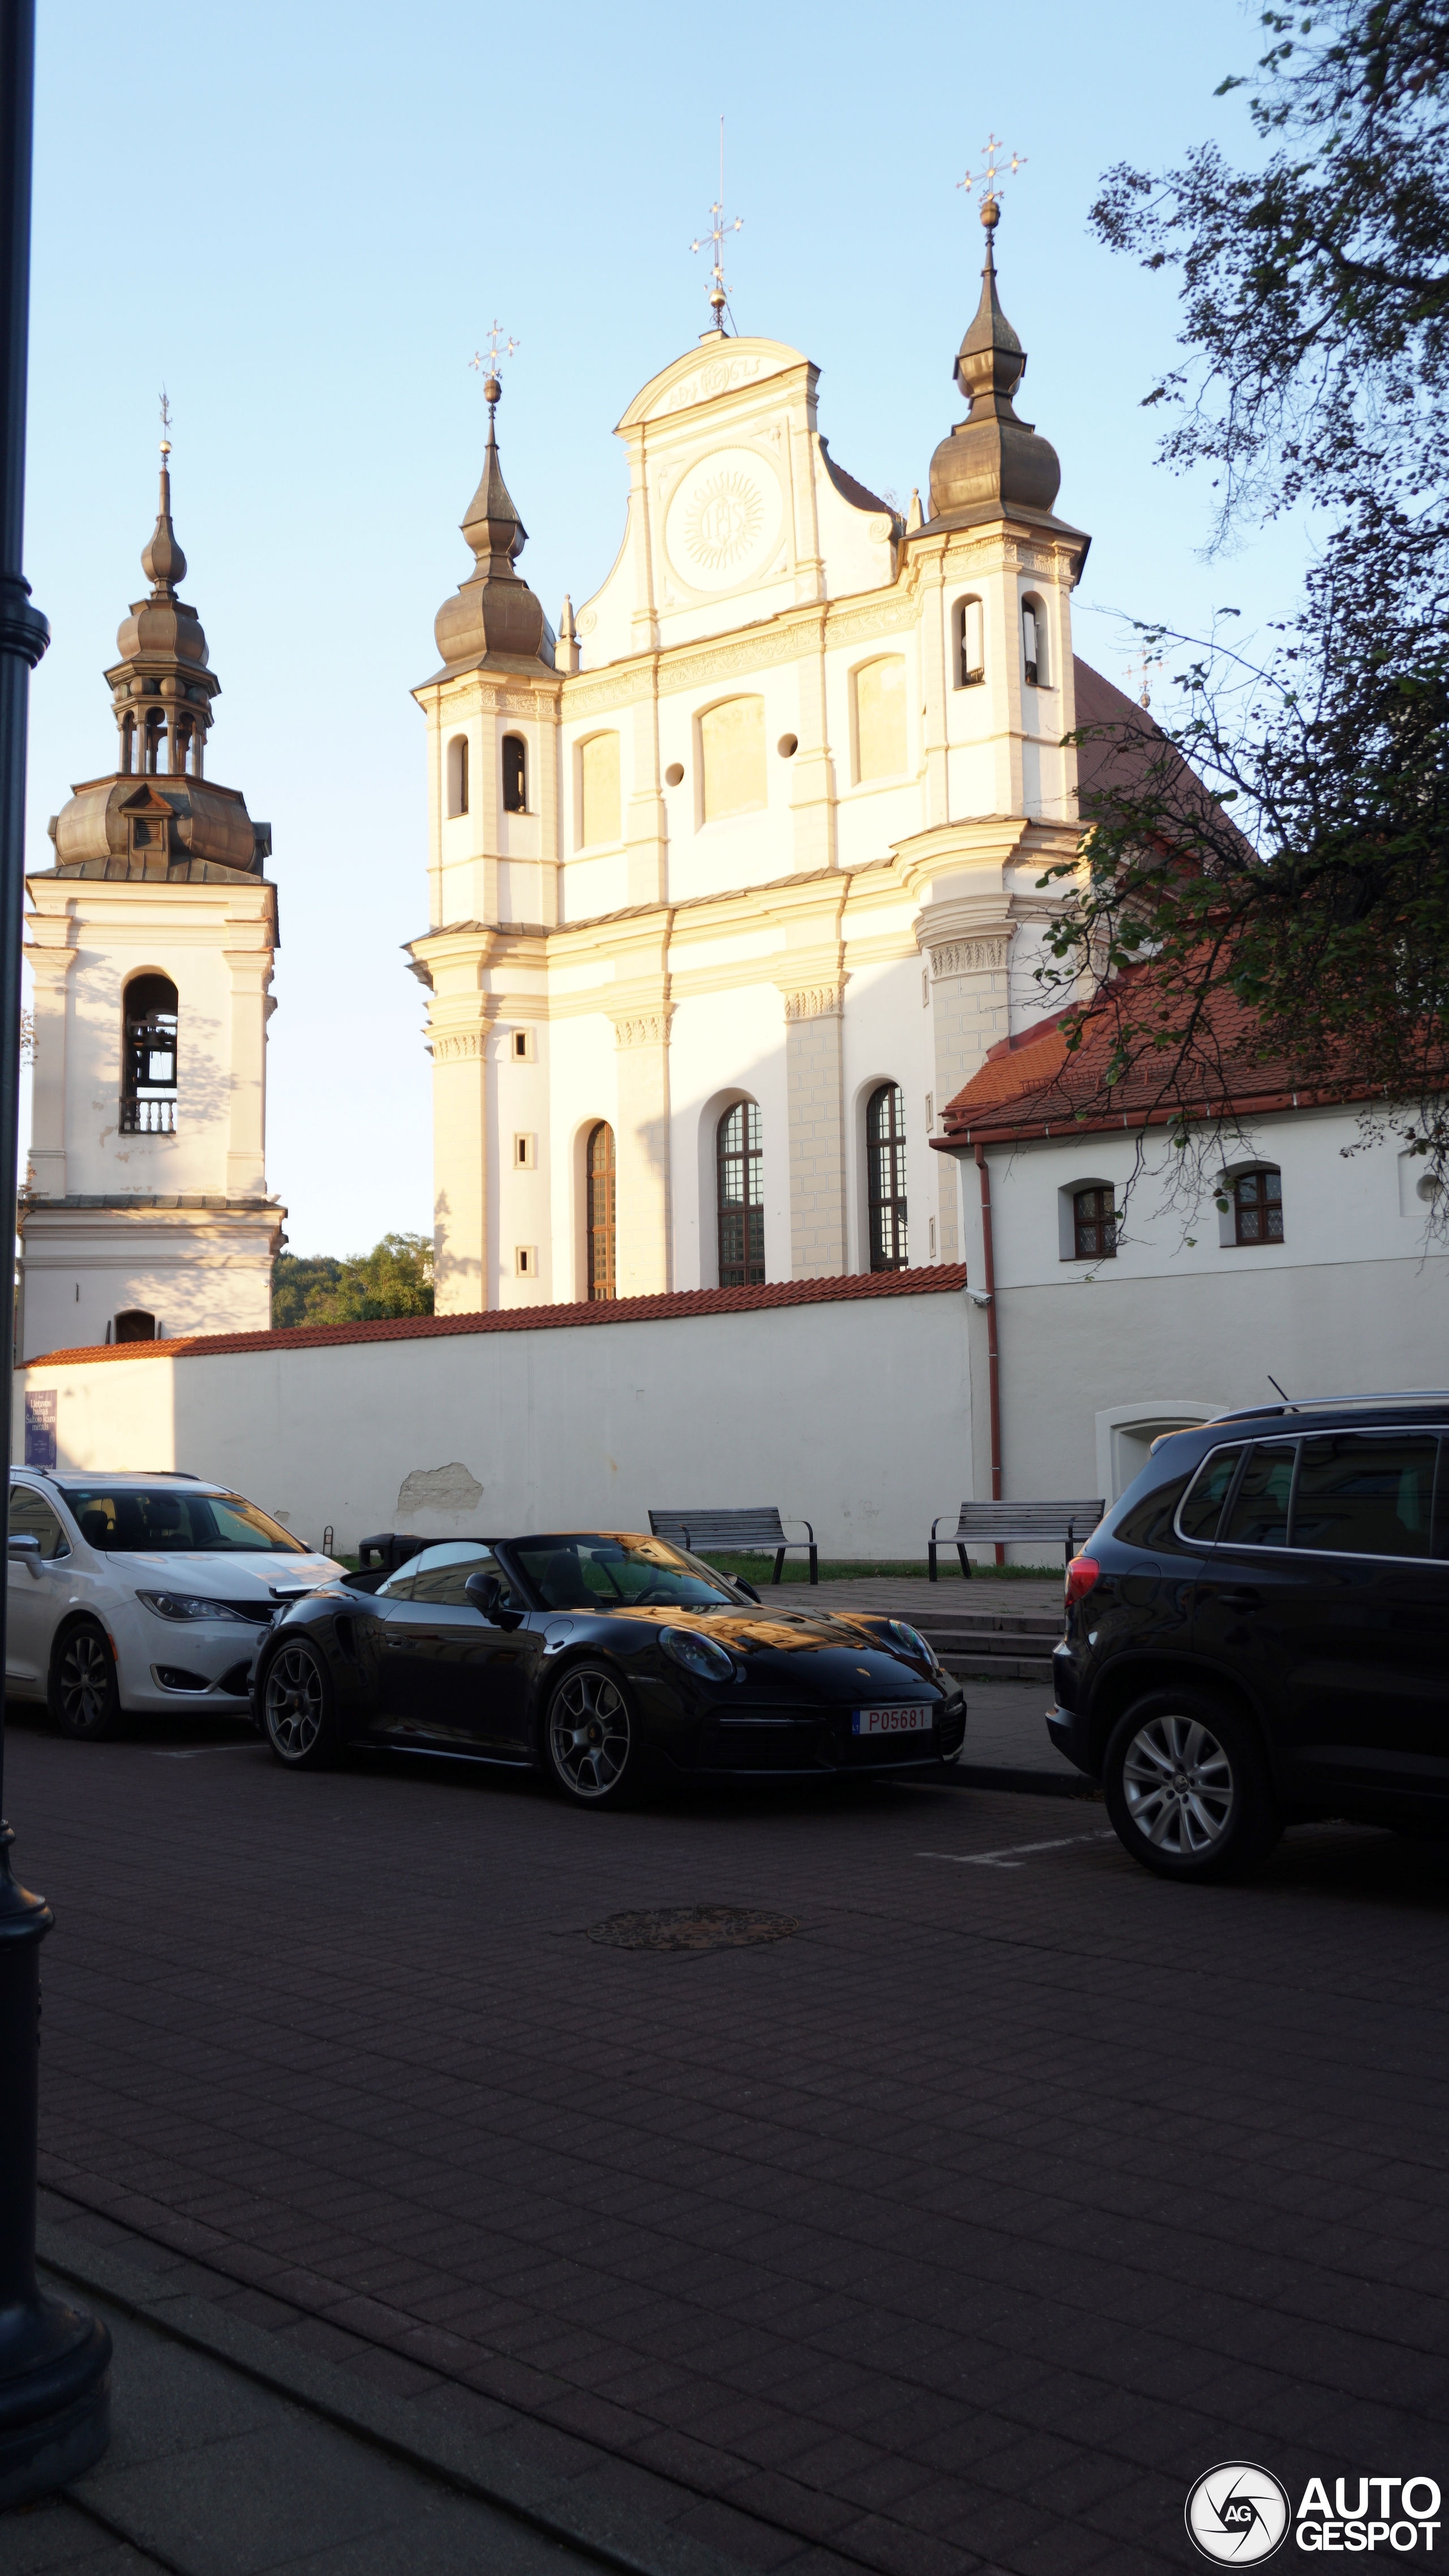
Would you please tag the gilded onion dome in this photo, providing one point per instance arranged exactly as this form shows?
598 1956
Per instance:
493 613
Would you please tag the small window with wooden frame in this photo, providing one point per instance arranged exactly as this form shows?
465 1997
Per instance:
1094 1223
1257 1205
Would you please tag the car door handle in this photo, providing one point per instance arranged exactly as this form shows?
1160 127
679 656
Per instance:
1243 1599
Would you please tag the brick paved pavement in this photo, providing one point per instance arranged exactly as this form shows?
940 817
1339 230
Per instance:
962 2230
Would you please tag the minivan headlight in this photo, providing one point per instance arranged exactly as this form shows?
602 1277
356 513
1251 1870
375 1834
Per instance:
703 1656
188 1605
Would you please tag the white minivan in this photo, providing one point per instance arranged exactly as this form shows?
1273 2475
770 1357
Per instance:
141 1592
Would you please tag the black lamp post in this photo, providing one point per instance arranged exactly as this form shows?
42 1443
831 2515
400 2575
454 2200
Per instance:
55 2361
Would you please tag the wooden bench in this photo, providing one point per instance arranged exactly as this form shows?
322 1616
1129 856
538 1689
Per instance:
737 1531
1015 1525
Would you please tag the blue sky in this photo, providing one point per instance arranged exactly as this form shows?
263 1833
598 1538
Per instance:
303 218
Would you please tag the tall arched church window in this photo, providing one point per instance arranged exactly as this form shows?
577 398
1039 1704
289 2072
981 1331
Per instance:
458 775
599 790
880 718
148 1059
515 774
600 1214
740 1182
973 643
732 758
1034 643
885 1147
1258 1207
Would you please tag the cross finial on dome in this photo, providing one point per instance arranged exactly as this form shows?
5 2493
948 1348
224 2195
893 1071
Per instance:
714 239
989 180
486 363
163 562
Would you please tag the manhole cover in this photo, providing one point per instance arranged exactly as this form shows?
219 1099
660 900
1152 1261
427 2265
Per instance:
693 1927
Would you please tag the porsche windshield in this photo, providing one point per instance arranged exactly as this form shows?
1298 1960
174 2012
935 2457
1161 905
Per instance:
613 1573
140 1519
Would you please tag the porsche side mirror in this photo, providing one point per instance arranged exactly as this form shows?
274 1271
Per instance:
742 1586
485 1592
26 1551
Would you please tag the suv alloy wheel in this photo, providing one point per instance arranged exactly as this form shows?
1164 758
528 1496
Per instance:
1187 1788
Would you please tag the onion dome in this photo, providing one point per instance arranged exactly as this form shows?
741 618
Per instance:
156 814
992 461
493 613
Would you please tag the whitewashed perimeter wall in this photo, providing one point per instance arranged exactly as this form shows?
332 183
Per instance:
855 1413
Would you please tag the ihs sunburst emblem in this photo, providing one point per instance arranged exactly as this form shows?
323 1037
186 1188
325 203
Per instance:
723 521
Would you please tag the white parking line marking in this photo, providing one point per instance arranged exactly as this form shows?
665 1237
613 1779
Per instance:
1015 1853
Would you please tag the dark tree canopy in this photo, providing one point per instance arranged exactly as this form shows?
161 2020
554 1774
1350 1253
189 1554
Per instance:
1311 883
395 1278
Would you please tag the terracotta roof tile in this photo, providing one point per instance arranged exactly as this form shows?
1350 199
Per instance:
679 1306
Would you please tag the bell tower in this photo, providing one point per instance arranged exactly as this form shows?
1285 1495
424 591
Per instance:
151 943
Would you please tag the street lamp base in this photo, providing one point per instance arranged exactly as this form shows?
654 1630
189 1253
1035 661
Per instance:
55 2397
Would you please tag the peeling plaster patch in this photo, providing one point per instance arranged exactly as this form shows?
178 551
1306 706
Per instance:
448 1489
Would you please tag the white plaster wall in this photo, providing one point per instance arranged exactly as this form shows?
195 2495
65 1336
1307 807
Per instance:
586 1425
724 1047
1350 1302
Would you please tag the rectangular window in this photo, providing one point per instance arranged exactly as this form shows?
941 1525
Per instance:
1258 1207
599 790
732 758
525 1260
880 718
1094 1225
525 1153
1259 1513
973 644
1366 1494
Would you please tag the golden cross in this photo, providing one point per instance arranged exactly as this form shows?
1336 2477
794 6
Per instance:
165 424
991 174
488 361
715 236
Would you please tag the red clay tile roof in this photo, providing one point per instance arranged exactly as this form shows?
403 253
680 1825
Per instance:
681 1304
1031 1085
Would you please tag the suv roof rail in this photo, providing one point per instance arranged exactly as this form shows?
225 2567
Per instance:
1331 1403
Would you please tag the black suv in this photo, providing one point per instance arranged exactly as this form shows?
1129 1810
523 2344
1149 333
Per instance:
1258 1632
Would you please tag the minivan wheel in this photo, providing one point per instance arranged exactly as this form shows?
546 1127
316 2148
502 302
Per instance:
297 1708
84 1700
1187 1788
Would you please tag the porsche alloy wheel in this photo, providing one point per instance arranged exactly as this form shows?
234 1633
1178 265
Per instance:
83 1690
295 1708
588 1736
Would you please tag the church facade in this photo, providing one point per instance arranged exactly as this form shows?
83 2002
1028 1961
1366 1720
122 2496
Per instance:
145 1212
733 883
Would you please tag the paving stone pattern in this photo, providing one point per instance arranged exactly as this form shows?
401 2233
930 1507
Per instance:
960 2230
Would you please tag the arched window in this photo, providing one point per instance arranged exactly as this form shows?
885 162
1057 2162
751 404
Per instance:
740 1169
135 1326
1258 1206
732 758
972 639
599 790
880 718
515 774
1034 643
1094 1223
885 1151
154 736
148 1061
458 775
599 1162
128 744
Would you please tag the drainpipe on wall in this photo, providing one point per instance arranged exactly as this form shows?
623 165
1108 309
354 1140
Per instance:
993 1356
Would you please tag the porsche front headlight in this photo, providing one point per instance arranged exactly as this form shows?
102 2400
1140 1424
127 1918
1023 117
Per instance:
703 1656
913 1642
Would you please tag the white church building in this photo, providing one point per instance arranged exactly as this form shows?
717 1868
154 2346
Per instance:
732 883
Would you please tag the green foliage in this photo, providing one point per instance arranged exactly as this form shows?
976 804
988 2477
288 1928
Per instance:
1310 886
395 1278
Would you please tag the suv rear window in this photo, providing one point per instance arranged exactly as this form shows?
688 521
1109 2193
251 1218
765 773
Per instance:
1366 1494
1202 1509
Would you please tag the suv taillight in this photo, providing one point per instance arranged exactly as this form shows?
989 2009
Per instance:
1082 1573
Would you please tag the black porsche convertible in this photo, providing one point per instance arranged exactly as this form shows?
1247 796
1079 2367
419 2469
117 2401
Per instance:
593 1656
